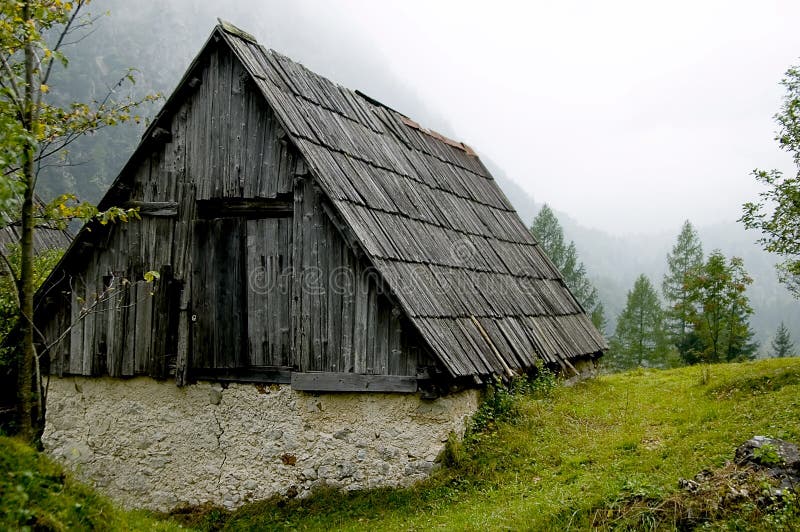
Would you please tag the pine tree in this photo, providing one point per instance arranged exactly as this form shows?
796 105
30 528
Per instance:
782 345
686 256
718 310
639 339
548 232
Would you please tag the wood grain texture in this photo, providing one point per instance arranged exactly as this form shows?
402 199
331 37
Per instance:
352 382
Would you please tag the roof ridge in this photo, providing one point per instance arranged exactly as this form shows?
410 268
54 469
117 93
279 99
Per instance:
227 27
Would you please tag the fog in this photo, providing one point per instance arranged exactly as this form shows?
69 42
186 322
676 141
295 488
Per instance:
628 116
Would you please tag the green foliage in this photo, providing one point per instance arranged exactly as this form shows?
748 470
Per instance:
718 309
501 400
36 494
32 115
42 266
65 208
548 232
767 455
686 257
604 454
639 339
777 212
782 345
37 128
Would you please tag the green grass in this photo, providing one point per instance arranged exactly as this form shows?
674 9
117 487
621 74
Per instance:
36 494
606 453
574 460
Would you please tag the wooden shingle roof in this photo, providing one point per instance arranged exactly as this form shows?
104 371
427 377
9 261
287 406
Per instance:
432 221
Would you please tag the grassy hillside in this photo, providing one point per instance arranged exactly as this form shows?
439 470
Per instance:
606 453
36 494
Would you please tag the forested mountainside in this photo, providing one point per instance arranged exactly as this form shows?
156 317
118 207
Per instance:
160 39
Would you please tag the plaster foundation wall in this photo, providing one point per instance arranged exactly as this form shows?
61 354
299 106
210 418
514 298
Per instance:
150 444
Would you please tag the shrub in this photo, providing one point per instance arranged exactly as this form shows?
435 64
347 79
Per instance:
501 399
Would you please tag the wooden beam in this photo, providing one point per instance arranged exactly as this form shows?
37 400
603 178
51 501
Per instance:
324 381
257 374
168 209
244 208
343 229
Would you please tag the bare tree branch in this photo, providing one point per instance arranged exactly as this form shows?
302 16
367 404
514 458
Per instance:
78 5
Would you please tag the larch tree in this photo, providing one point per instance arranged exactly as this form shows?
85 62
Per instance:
34 129
718 310
685 257
777 212
548 232
782 345
639 339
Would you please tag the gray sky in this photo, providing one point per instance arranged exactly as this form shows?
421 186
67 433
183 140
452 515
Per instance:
629 116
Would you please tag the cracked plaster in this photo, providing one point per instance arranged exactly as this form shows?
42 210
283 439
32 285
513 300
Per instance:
151 444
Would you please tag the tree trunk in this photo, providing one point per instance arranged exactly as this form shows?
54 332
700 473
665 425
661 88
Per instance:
25 391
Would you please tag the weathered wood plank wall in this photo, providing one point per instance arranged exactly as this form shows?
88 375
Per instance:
344 317
237 289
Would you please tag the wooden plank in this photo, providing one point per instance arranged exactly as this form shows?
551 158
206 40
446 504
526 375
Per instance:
269 292
182 355
259 278
251 208
203 293
76 332
129 338
348 287
114 330
143 306
336 286
314 283
397 363
89 346
227 308
256 374
163 342
352 382
154 208
361 296
296 263
238 126
382 333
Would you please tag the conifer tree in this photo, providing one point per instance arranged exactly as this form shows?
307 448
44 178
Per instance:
718 310
548 232
639 339
686 256
782 345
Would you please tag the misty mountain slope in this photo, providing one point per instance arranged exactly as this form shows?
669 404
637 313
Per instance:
160 39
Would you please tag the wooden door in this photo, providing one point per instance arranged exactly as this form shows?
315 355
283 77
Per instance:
269 289
219 320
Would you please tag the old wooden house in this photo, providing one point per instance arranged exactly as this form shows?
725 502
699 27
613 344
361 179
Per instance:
306 235
302 228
